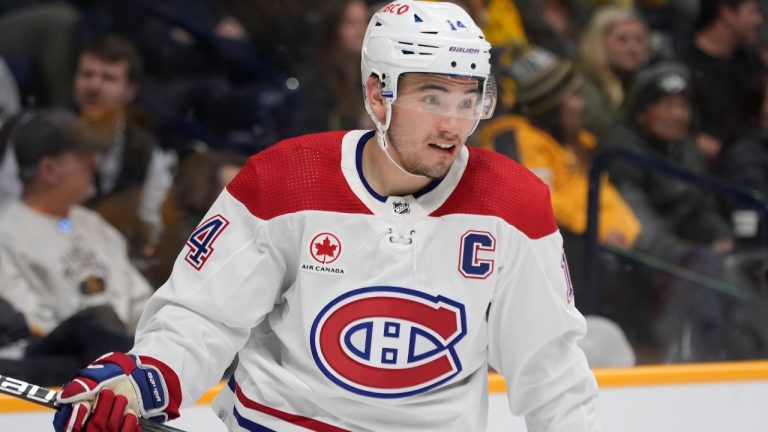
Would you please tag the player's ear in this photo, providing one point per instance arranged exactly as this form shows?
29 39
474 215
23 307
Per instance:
375 99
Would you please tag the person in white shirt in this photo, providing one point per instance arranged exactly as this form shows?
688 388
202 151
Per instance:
133 171
58 258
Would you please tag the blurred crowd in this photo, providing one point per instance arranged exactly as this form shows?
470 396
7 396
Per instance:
120 122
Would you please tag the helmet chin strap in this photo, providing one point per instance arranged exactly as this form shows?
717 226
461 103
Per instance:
381 138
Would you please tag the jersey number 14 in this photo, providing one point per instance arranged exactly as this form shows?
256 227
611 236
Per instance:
200 243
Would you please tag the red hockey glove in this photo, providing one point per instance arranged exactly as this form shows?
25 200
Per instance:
113 391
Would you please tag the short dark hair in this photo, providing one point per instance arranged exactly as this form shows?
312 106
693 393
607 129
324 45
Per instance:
710 9
49 133
114 49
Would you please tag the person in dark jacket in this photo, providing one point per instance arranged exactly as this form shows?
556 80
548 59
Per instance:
726 71
675 215
681 222
746 163
134 173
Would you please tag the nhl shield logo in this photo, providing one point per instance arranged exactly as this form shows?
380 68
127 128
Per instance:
401 208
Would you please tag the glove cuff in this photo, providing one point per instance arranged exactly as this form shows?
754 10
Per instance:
156 385
170 383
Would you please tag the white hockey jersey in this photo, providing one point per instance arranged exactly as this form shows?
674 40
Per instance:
51 268
350 311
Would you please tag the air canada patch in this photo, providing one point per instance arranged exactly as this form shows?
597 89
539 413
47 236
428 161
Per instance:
388 342
325 250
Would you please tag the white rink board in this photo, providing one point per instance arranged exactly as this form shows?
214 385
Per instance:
711 407
715 407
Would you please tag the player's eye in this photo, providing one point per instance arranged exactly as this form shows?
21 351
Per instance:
431 100
468 103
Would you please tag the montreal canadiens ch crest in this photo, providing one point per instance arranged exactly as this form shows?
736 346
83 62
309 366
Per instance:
388 342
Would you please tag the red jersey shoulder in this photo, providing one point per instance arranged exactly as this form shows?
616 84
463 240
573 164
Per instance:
495 185
297 174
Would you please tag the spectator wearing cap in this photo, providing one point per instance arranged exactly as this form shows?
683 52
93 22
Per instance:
658 123
541 128
133 173
57 258
726 73
681 221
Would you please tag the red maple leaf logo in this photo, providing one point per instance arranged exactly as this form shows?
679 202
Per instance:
326 248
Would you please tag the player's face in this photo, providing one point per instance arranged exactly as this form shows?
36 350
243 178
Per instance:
668 118
431 119
102 85
626 46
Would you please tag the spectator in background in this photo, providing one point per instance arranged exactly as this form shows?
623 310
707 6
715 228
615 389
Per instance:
133 172
681 222
330 87
613 48
544 132
727 74
201 178
62 267
674 214
746 163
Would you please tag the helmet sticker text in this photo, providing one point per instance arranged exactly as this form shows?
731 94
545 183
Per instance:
395 8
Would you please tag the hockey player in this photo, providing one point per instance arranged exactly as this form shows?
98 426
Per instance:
366 279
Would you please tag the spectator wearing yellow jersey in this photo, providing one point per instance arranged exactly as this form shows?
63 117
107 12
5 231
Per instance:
543 131
541 127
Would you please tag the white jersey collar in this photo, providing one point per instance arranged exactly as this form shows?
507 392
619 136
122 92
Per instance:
396 208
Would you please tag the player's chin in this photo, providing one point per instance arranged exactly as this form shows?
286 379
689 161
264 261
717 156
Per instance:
437 170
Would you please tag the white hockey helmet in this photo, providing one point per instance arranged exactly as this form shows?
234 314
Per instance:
426 37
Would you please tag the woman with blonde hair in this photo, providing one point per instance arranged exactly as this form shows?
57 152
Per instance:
613 48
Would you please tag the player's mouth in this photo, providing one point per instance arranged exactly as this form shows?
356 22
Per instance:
443 148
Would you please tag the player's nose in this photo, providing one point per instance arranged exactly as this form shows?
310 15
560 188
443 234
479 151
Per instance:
448 123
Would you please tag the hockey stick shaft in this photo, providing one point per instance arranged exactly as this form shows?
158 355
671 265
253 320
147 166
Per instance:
47 398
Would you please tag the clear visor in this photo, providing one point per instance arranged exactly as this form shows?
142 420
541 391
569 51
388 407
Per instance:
447 95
